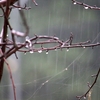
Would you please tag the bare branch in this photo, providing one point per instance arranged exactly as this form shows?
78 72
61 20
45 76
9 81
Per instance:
12 81
35 2
86 6
20 8
90 87
30 43
11 46
4 35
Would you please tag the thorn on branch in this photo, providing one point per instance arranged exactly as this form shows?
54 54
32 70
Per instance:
71 38
16 55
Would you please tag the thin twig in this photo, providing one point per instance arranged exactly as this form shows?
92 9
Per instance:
86 6
84 95
12 81
24 21
20 8
42 40
4 36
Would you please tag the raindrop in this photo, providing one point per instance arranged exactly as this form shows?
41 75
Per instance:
47 81
56 49
74 3
66 68
19 9
27 46
27 39
84 47
13 31
97 42
86 7
67 50
40 51
25 53
42 83
31 51
84 97
7 35
47 52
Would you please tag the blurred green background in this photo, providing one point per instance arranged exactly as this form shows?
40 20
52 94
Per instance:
44 76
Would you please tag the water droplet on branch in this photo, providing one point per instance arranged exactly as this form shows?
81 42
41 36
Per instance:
55 49
31 51
40 51
47 81
27 46
19 9
27 39
74 3
84 47
25 53
86 7
84 97
47 52
67 50
66 68
97 42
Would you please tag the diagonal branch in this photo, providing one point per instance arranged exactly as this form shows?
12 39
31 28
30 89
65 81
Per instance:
86 6
90 87
12 81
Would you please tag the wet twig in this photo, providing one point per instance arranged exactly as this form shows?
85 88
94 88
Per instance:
11 77
4 35
20 8
29 45
90 86
86 6
24 20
